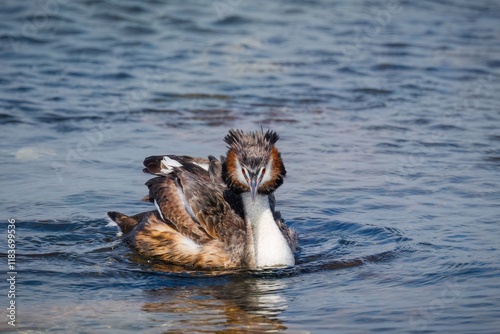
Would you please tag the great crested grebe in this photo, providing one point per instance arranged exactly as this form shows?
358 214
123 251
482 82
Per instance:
215 214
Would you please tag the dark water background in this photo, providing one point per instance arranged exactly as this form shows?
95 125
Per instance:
389 116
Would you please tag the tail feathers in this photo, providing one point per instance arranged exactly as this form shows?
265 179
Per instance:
147 198
126 223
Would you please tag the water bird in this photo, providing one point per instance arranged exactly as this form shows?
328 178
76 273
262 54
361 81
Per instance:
215 213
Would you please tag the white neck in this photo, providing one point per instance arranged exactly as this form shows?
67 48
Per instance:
271 248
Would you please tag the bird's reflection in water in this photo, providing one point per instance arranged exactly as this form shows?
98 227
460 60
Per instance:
231 301
230 305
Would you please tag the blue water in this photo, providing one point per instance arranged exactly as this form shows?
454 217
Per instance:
389 116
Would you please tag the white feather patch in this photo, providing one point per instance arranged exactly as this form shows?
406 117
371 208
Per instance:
168 165
159 211
204 166
190 245
239 173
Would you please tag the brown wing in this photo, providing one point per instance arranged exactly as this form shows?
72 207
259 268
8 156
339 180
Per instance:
220 211
165 164
196 205
164 192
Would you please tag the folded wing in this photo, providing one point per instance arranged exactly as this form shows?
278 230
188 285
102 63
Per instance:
194 200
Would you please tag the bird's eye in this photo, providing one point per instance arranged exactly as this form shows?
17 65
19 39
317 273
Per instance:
263 171
243 171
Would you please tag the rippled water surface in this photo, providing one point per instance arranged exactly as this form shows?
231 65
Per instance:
389 116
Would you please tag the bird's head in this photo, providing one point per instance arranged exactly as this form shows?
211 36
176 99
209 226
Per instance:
253 164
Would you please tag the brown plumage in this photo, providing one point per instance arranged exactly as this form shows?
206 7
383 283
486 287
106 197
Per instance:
201 218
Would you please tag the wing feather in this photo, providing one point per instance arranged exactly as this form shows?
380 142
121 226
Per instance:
165 194
194 201
163 165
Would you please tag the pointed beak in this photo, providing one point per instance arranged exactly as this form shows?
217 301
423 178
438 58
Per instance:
253 187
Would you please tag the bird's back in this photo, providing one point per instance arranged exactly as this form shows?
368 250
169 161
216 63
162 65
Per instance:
198 222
